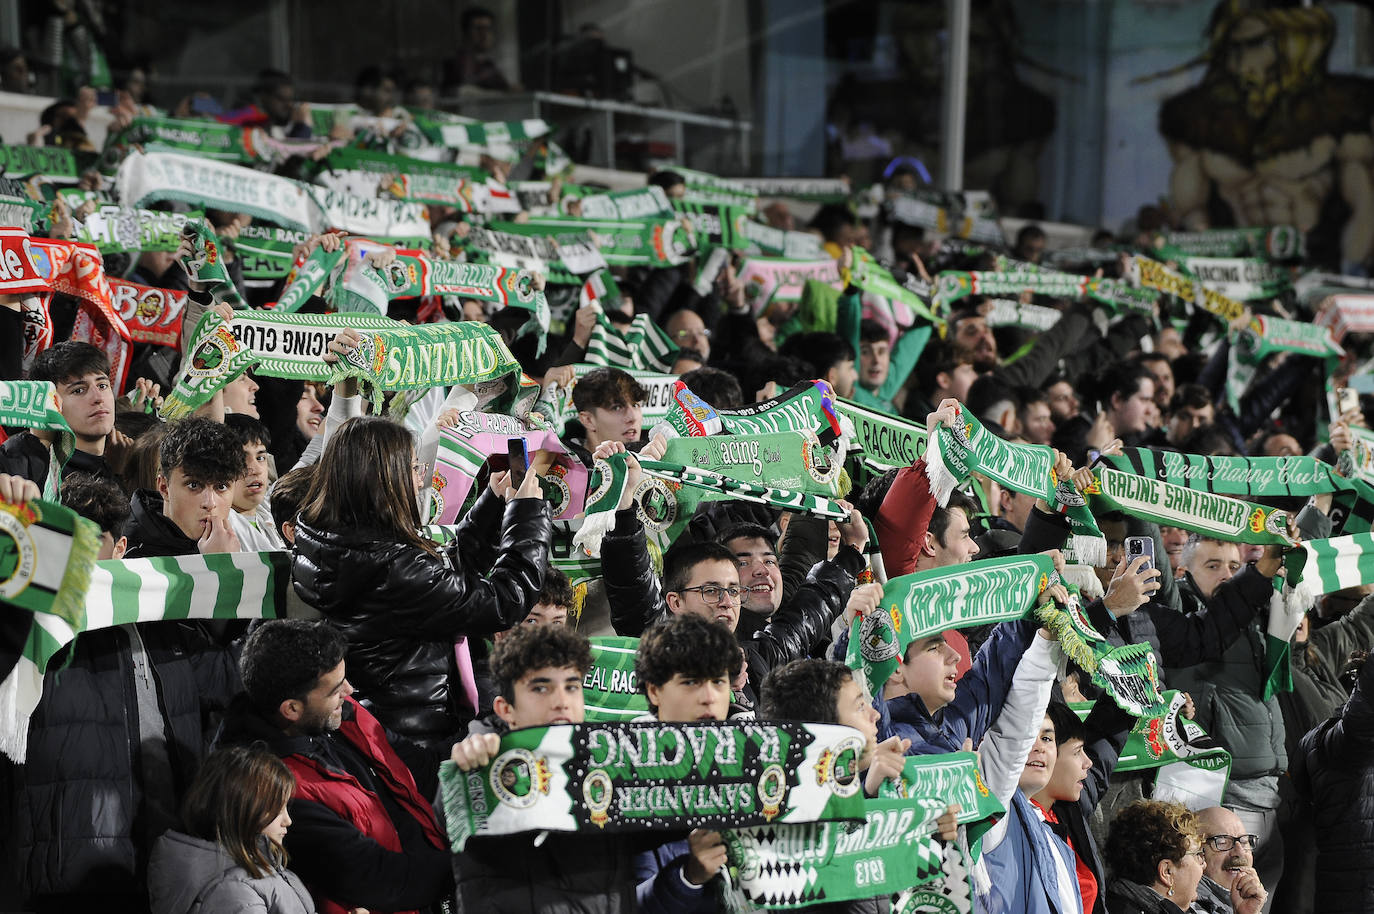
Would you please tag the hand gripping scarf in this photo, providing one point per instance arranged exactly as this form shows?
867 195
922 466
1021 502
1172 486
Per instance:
1027 468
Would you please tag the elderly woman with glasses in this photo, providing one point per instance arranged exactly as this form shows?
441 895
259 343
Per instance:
1154 852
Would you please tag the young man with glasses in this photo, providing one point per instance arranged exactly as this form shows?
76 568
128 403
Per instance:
1229 873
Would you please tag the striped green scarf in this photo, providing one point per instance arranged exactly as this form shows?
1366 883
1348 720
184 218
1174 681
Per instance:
33 405
1279 242
1267 335
113 228
309 277
655 242
1027 468
643 345
1129 673
239 585
205 264
294 345
406 178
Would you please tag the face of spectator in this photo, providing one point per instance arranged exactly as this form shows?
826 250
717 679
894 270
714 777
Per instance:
779 216
1188 419
1282 446
1169 344
621 423
322 709
548 695
957 547
759 574
1032 249
688 698
1212 565
279 104
481 34
309 412
958 382
1131 416
191 504
930 669
974 335
853 709
1071 767
1037 425
1175 538
276 829
717 574
875 359
842 376
687 329
15 76
1187 875
1063 400
87 403
1220 823
241 396
252 488
540 614
1164 382
1040 763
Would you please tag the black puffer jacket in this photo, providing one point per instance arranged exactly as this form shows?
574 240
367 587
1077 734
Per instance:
150 532
74 808
637 601
401 607
1335 770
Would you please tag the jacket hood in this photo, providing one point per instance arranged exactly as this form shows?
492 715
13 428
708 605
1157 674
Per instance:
181 867
152 533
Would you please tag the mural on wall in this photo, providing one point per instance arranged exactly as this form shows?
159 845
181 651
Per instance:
1270 137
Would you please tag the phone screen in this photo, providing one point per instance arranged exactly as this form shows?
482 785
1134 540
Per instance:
519 461
1346 400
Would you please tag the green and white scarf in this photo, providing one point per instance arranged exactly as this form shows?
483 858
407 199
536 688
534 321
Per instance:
1222 517
205 264
1192 767
732 227
953 285
1129 673
211 140
1257 477
213 359
873 278
237 585
434 355
1266 335
819 190
1008 313
703 187
1241 278
627 777
34 405
610 690
808 407
926 603
309 277
266 251
562 259
113 229
402 177
662 242
1279 242
1316 567
628 205
294 345
882 441
643 345
1027 468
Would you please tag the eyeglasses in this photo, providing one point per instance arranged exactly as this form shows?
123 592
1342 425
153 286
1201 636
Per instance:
688 334
1226 842
713 593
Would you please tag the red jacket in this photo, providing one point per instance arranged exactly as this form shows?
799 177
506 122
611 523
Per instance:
341 793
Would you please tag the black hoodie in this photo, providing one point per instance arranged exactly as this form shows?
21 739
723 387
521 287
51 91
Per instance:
150 532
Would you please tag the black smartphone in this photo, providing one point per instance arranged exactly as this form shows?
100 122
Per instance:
1138 546
519 457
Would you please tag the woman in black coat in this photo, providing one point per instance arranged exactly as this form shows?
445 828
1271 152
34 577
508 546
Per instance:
401 601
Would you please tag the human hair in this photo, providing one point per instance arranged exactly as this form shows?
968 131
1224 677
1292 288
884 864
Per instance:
67 361
939 357
1029 233
806 689
1190 396
688 644
249 430
831 218
556 590
819 349
534 647
1210 440
1195 540
939 521
786 370
1026 397
989 396
607 388
1146 832
1154 358
1067 725
98 500
749 531
364 479
290 493
870 331
666 180
472 14
237 793
134 422
1120 378
719 388
284 659
141 467
680 560
202 449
